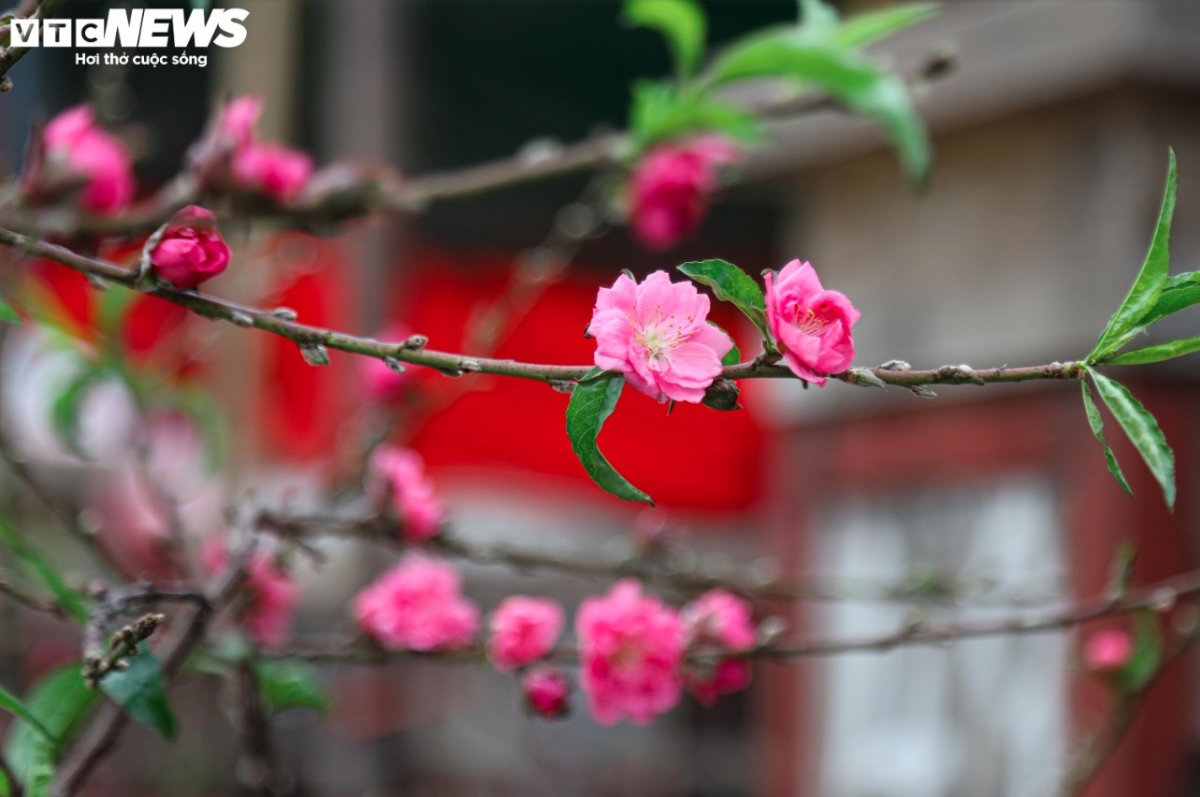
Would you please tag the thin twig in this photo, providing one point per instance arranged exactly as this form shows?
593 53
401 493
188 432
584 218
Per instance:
259 764
28 601
9 56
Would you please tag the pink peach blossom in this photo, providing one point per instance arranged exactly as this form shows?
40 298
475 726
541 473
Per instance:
655 333
272 596
812 325
417 605
547 691
277 171
85 151
1108 651
191 249
239 119
396 476
523 630
670 187
722 621
380 382
631 649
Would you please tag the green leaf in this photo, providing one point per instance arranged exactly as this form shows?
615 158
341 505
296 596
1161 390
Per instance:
13 705
1097 424
842 73
1146 658
730 284
5 785
290 684
61 701
817 15
64 596
139 690
1154 354
862 29
591 404
1148 287
682 24
1142 430
7 314
1179 293
660 113
64 413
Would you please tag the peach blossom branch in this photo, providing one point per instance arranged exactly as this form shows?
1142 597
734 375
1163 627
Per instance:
315 341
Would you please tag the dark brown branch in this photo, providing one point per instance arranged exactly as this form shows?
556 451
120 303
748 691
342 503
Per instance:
259 764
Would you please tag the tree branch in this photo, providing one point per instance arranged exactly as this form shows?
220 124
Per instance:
9 56
314 341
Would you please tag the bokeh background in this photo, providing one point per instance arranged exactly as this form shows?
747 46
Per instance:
1051 137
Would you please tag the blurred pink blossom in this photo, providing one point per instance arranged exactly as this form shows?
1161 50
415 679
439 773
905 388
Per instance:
655 333
397 475
76 145
272 169
380 382
811 324
271 596
417 605
523 630
722 621
239 118
547 691
191 249
1107 651
631 649
670 188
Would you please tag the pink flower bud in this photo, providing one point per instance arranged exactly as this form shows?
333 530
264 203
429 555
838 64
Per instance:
718 621
79 151
417 605
812 325
1108 651
656 334
381 383
523 630
191 249
670 187
271 169
396 479
630 651
547 691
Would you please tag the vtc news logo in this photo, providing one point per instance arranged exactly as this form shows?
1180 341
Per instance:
139 27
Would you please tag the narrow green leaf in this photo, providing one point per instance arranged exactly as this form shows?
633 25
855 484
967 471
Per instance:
730 284
64 413
7 314
1154 354
290 684
1179 293
591 404
1146 658
682 24
845 75
61 701
5 785
139 690
1097 424
863 29
13 705
1143 296
1143 431
40 569
659 112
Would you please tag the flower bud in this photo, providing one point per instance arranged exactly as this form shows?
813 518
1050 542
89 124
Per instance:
547 692
1108 651
191 249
